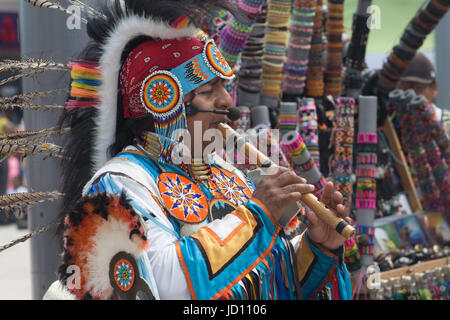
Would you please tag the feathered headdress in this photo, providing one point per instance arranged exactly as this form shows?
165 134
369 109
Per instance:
118 75
153 77
152 80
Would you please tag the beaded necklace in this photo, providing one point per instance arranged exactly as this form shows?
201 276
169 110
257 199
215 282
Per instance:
197 170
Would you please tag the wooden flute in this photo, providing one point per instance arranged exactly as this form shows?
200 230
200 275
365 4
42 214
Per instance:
340 225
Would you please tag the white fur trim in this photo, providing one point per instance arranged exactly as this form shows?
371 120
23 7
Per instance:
111 237
57 291
127 29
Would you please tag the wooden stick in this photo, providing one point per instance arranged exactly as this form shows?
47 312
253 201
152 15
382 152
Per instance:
324 213
402 168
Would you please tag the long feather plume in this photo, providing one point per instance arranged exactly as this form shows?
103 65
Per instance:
28 106
88 9
30 140
52 4
26 148
29 67
24 199
48 4
20 75
41 133
27 97
18 202
32 63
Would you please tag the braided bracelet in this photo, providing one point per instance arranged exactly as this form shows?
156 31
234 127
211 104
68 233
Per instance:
367 137
365 203
368 158
369 172
307 165
367 230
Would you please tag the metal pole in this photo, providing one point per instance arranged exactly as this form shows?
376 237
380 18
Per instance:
362 7
357 50
367 124
45 34
442 52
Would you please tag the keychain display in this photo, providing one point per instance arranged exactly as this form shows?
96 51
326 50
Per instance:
397 258
427 152
425 286
343 138
308 127
428 285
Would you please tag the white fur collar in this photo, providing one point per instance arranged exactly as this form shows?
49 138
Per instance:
127 29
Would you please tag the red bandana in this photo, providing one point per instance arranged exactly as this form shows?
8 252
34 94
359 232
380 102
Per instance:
147 58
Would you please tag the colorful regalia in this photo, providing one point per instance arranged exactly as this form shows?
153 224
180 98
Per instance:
238 250
141 222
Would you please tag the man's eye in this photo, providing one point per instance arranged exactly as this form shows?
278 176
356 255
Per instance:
206 91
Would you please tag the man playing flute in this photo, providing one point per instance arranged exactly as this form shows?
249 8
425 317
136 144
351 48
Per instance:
211 233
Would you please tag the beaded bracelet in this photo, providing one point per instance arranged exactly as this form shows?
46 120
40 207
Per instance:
366 172
366 194
307 165
367 137
252 7
367 230
367 249
366 158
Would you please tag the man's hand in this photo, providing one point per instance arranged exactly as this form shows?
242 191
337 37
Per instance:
278 190
319 231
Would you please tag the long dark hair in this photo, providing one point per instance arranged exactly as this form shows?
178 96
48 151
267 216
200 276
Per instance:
78 143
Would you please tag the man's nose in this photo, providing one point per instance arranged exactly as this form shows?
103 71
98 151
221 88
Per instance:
224 100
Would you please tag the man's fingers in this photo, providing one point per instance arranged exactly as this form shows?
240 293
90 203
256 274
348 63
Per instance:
298 187
275 173
292 197
336 198
349 220
342 211
287 178
327 193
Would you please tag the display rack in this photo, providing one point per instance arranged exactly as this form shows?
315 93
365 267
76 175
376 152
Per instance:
419 267
402 168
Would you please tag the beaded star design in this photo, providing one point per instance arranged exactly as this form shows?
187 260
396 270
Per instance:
186 204
124 274
160 93
231 187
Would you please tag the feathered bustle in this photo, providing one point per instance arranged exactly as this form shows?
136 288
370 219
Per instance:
95 230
